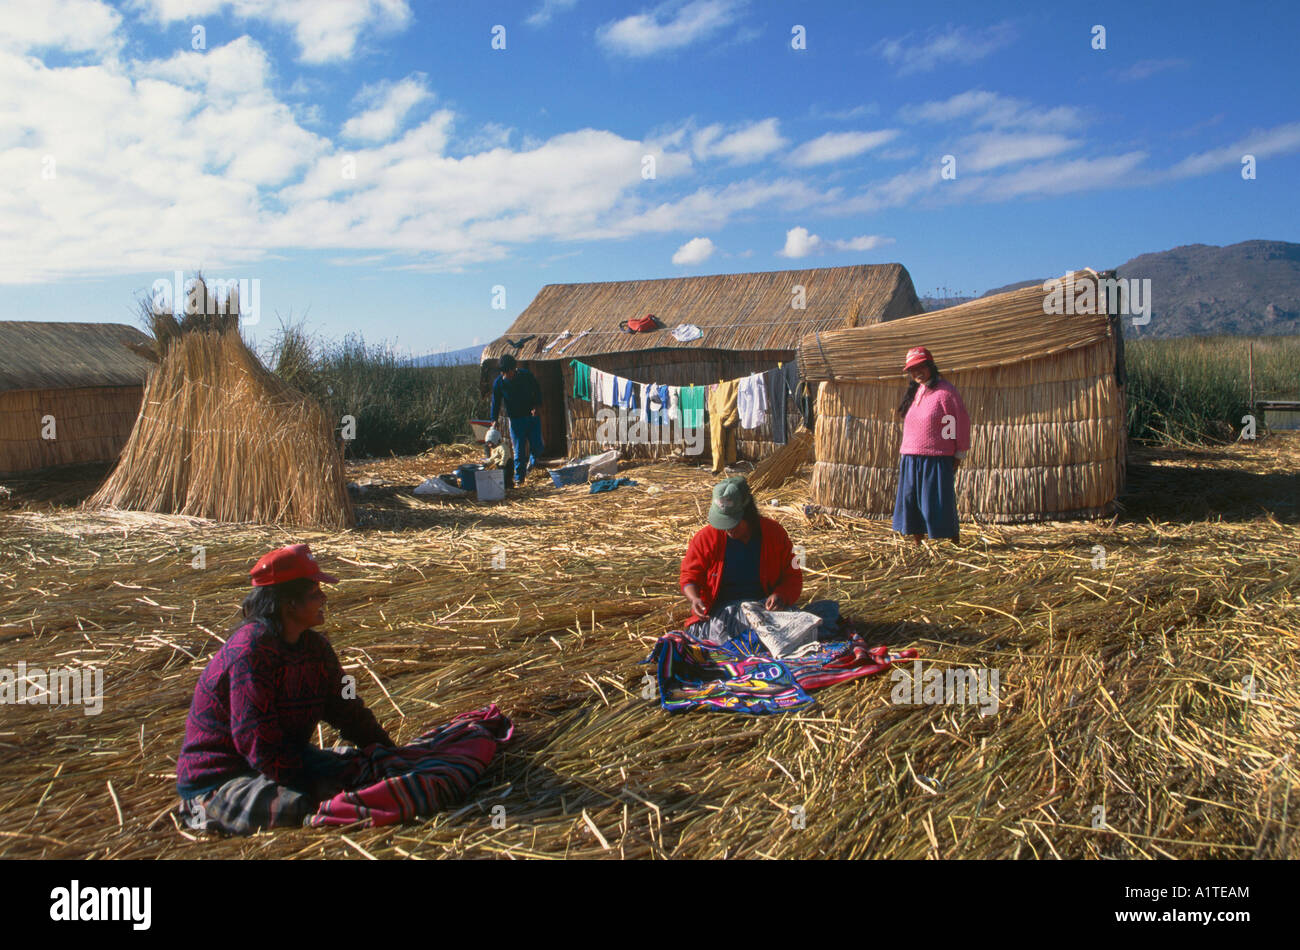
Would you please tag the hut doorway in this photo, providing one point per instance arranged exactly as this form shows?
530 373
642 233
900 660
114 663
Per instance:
550 377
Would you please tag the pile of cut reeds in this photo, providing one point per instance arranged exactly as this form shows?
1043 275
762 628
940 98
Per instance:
221 437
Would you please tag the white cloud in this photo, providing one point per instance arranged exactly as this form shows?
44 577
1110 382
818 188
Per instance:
68 25
543 14
1149 67
645 34
799 243
988 150
1261 143
391 102
695 251
956 44
747 144
866 242
710 209
1059 178
989 109
324 30
837 146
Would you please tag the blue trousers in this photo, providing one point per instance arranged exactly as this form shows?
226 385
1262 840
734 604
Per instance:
526 439
927 499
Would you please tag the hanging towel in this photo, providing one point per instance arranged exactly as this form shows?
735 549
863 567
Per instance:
692 406
627 394
581 380
774 383
751 401
675 404
685 332
607 381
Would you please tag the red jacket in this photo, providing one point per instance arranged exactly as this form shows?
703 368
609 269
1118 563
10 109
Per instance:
702 565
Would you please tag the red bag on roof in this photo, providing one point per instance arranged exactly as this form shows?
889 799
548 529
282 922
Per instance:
640 324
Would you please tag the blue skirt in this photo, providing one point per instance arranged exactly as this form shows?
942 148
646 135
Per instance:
927 500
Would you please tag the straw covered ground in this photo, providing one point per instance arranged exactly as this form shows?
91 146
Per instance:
1148 705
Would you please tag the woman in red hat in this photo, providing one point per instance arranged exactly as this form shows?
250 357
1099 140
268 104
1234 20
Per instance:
248 761
936 437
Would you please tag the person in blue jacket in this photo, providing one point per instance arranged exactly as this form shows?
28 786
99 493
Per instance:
518 390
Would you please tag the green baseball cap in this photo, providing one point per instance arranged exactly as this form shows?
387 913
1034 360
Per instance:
730 496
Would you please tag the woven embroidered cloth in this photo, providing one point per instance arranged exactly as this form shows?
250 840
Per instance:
434 772
741 676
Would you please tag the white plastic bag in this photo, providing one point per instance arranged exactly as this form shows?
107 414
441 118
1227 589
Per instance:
436 486
604 465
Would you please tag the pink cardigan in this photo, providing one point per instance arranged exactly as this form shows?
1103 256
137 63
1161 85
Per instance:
923 424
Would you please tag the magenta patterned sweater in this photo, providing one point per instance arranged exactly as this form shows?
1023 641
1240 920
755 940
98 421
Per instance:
256 705
923 425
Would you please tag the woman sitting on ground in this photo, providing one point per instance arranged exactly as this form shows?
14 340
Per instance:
738 556
248 762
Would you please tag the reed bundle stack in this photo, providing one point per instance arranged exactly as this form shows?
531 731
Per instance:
219 436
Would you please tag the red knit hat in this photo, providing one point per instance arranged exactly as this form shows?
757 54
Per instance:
289 564
917 355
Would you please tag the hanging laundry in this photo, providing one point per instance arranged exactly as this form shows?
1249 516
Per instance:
722 424
607 382
685 332
627 394
675 405
581 380
522 340
691 401
564 335
751 401
781 383
574 340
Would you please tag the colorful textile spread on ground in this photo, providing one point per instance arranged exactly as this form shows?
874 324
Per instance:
741 676
432 773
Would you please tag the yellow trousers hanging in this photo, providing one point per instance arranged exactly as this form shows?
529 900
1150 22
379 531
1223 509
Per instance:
723 420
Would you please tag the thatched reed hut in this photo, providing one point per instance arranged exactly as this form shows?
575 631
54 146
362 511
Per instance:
750 323
69 392
1045 392
219 436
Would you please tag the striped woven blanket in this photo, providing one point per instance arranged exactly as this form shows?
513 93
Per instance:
741 676
436 771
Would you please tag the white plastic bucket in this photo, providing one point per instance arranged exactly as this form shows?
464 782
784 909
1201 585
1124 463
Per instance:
490 484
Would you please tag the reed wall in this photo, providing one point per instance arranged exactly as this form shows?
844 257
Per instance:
1048 440
91 424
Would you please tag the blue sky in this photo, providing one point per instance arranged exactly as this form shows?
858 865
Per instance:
380 168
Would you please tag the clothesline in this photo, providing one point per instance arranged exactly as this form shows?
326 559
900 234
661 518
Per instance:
681 386
709 326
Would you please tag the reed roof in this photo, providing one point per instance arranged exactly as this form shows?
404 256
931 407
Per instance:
44 355
991 331
735 311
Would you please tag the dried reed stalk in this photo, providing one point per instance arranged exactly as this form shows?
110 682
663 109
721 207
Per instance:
1123 686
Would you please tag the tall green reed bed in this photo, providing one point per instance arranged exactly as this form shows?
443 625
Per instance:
398 409
1196 389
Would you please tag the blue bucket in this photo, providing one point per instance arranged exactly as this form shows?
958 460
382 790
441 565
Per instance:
466 475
